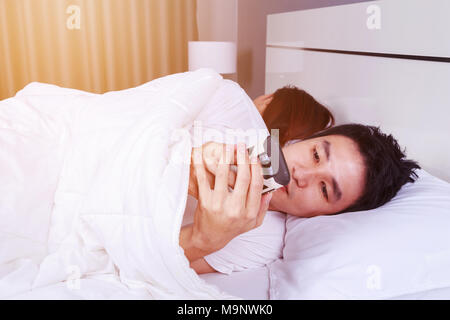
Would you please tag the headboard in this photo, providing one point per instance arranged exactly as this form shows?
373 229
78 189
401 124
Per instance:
384 63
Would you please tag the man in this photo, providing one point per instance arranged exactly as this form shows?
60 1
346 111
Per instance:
345 168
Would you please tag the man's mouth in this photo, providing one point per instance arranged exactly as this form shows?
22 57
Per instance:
286 189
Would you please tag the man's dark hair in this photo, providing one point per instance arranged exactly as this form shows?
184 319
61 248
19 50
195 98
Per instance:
387 170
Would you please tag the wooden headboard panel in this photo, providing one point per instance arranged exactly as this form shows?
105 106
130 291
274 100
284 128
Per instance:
384 63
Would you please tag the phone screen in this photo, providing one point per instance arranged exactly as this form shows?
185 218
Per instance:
275 169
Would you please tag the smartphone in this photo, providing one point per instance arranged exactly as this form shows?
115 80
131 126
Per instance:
275 170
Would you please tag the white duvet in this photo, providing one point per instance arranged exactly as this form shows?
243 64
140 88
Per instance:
93 187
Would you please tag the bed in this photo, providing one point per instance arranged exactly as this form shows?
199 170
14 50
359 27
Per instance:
364 72
370 63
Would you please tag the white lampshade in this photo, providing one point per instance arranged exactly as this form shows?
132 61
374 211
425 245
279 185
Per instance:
220 56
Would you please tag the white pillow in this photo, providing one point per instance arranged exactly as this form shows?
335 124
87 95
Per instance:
398 249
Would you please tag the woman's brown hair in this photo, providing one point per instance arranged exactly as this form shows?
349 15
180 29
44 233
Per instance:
296 114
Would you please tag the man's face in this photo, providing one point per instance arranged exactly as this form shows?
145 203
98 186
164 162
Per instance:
327 176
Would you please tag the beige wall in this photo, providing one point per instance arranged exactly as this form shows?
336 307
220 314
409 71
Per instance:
244 21
217 20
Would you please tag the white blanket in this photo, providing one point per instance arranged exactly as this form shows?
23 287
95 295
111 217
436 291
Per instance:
94 186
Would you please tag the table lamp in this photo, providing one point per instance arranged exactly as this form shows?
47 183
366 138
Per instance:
218 55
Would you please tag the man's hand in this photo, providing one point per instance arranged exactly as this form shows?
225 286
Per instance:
221 214
212 153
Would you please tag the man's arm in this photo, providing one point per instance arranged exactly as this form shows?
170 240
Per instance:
222 215
194 247
201 266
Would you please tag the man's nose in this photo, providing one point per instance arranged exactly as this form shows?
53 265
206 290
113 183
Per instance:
303 177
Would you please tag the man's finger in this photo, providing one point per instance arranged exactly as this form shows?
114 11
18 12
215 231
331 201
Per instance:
256 187
265 201
243 173
211 156
222 170
231 178
200 172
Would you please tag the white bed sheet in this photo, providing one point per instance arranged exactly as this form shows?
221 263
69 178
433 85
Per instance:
96 288
249 285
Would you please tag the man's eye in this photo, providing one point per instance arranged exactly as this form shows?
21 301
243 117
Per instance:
316 155
324 190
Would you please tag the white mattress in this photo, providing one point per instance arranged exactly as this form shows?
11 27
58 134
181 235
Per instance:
250 285
98 288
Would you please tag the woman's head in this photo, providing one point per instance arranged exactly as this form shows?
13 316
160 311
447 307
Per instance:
296 114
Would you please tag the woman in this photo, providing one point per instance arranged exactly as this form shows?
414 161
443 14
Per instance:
294 112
